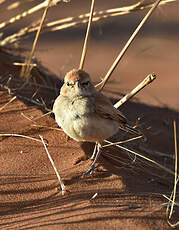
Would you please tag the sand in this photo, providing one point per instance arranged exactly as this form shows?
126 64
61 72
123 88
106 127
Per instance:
125 191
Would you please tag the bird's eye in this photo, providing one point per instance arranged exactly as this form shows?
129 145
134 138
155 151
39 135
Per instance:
68 84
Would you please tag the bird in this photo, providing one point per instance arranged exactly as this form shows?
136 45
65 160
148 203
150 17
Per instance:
85 114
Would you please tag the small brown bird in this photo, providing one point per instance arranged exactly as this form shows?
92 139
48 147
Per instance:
86 114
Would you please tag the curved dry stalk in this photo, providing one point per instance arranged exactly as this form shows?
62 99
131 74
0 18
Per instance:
176 174
83 55
129 42
168 205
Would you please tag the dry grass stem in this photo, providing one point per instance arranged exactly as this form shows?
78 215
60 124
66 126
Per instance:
20 16
71 21
150 78
129 42
172 200
37 118
26 117
11 100
29 66
28 12
18 135
169 199
54 167
24 64
94 196
145 158
122 142
84 51
176 170
173 225
14 5
46 114
2 1
47 127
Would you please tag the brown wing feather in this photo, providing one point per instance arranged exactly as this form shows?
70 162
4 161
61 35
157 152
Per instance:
105 109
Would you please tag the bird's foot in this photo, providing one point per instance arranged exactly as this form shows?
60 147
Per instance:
89 171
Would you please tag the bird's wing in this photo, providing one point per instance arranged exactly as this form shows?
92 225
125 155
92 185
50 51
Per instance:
104 108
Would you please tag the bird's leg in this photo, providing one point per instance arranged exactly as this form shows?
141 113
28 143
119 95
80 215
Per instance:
92 167
94 152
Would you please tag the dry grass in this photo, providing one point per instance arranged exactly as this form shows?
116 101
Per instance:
172 198
28 67
74 21
54 167
128 43
69 22
10 101
149 79
156 164
85 46
19 135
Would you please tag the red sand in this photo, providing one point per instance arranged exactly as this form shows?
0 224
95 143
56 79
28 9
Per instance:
128 192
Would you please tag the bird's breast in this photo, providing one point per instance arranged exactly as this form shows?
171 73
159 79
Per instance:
79 121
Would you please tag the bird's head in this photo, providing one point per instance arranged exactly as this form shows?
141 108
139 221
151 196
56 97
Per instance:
77 83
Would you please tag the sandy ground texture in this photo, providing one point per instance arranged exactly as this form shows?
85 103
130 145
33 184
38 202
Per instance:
126 191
